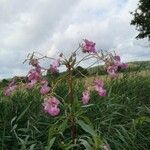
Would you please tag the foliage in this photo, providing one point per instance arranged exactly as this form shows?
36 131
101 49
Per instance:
72 103
122 118
142 19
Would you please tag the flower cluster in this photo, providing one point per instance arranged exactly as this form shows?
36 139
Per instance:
35 77
99 87
51 106
35 74
88 46
44 88
85 97
54 66
114 65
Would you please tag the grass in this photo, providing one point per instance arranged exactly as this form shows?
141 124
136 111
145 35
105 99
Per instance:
122 118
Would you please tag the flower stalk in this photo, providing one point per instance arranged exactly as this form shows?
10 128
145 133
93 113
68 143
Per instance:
71 101
52 105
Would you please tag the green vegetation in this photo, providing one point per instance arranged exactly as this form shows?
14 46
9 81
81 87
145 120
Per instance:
141 19
122 118
133 66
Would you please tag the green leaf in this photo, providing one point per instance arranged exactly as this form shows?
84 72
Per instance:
86 127
85 106
86 144
13 119
21 115
50 144
32 147
70 146
14 127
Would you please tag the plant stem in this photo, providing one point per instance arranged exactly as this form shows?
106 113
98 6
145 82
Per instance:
71 98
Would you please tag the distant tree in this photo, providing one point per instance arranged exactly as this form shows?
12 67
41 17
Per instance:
142 19
4 83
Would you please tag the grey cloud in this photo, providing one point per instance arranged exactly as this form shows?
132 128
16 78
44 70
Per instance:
25 26
111 30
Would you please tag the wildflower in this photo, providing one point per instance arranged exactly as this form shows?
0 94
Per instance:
85 97
34 75
102 92
99 87
112 71
117 58
51 106
44 89
117 62
54 111
31 84
54 66
44 82
88 46
115 66
54 101
98 83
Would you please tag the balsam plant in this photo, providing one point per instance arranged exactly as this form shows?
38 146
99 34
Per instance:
69 113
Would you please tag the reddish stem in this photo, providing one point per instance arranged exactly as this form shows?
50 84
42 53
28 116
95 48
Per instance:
71 97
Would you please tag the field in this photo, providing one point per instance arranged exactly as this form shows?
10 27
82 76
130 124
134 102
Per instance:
122 118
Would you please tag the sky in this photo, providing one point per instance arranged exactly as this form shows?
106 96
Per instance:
54 26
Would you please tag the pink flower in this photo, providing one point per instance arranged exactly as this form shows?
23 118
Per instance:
117 62
112 71
85 97
88 46
34 75
53 111
44 89
54 101
117 58
99 84
51 106
102 92
115 66
31 84
54 66
44 82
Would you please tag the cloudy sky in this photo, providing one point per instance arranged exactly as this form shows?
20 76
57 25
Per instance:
51 26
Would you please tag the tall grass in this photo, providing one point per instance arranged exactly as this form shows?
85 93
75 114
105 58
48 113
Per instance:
122 118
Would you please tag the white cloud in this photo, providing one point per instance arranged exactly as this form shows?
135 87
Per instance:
52 26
